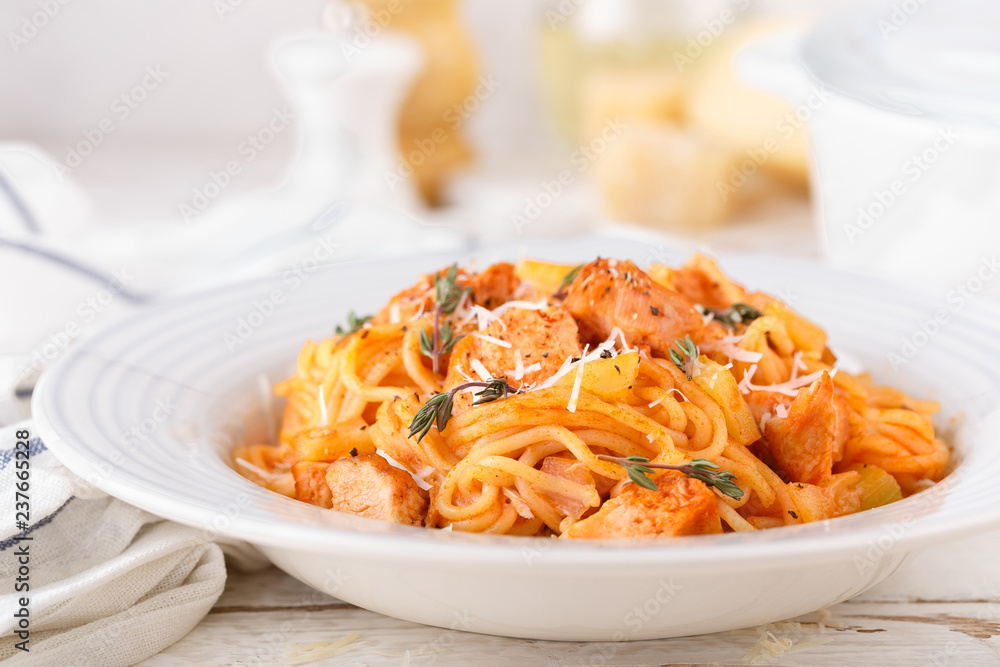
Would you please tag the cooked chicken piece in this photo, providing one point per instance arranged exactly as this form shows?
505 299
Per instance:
680 506
368 486
546 337
807 443
766 403
574 471
707 339
609 293
839 495
310 483
412 301
702 281
492 287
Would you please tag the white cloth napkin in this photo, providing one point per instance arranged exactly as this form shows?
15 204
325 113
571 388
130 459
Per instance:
109 583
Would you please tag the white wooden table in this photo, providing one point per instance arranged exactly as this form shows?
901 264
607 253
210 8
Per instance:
942 608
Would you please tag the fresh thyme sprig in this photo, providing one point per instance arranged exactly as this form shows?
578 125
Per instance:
685 355
638 467
446 341
437 409
568 279
354 323
447 296
447 292
738 313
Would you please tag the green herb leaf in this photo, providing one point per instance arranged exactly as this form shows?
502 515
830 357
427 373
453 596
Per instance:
354 323
569 278
738 313
640 478
447 292
447 296
437 409
495 389
426 346
639 467
724 480
448 338
685 355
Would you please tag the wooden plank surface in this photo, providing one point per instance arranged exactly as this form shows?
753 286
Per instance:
941 609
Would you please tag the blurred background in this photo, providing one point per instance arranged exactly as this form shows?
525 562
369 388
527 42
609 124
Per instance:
151 148
518 87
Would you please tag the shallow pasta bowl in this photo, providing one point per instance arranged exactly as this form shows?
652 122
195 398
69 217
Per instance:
149 409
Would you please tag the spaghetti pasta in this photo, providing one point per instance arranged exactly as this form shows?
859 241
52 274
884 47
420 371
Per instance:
554 414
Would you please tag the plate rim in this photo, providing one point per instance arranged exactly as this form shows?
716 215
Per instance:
423 544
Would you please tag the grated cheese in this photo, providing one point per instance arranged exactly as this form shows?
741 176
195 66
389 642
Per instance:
461 371
739 354
789 388
464 306
656 402
484 317
780 411
577 381
523 305
520 506
744 385
394 313
396 464
518 365
563 370
533 368
711 383
769 645
491 339
302 654
679 392
797 362
608 345
323 416
764 419
419 313
619 334
480 370
257 470
729 346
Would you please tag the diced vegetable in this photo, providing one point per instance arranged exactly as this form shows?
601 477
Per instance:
329 443
611 379
545 277
722 388
662 274
877 486
768 330
837 496
803 333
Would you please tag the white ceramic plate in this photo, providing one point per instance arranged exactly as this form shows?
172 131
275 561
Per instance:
149 409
